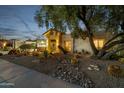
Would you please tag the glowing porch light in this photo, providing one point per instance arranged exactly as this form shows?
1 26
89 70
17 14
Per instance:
4 44
42 42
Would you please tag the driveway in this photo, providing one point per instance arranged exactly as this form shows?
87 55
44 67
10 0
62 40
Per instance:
16 76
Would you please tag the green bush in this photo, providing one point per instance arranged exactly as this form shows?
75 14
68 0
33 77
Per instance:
27 46
1 54
45 54
5 49
114 57
14 52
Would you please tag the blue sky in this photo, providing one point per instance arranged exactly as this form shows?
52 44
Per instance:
17 22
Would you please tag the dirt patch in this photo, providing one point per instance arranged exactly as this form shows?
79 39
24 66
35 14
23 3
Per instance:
32 62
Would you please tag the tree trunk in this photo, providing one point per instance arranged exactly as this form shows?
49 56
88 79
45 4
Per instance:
90 36
95 51
82 16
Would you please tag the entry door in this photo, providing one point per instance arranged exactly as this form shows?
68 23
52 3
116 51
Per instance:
53 45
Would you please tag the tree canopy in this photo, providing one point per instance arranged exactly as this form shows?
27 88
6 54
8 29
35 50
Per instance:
83 21
99 18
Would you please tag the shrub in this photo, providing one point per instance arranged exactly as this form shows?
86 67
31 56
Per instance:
83 50
74 60
25 53
1 54
5 49
77 55
14 52
46 54
62 49
27 46
87 52
114 57
35 53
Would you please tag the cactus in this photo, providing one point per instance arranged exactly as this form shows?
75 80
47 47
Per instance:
114 70
74 60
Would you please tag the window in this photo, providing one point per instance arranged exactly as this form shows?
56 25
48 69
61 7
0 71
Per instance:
99 43
67 45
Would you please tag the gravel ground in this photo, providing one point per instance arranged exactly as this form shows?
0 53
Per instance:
101 79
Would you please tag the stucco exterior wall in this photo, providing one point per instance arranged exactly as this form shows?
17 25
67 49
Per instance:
77 44
80 44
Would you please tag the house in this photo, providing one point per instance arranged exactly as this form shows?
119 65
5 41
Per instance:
3 43
16 43
39 43
56 38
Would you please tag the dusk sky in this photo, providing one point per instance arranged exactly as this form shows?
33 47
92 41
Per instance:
17 22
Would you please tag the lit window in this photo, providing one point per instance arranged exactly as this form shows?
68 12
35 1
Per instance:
68 45
96 43
99 43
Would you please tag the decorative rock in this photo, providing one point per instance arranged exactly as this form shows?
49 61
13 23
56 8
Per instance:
94 67
89 68
97 69
71 74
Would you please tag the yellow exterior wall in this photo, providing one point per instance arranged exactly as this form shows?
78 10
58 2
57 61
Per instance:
57 37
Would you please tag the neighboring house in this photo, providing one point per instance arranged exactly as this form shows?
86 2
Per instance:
4 43
56 38
30 42
16 43
39 43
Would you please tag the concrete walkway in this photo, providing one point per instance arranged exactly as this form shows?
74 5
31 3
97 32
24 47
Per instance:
12 75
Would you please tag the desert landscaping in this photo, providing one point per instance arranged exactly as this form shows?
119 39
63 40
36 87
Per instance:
76 69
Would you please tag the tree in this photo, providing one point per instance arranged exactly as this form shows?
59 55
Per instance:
83 21
27 46
115 24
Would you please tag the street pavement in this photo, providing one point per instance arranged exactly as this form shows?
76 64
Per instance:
16 76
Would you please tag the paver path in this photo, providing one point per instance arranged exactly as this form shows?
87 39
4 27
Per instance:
12 75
